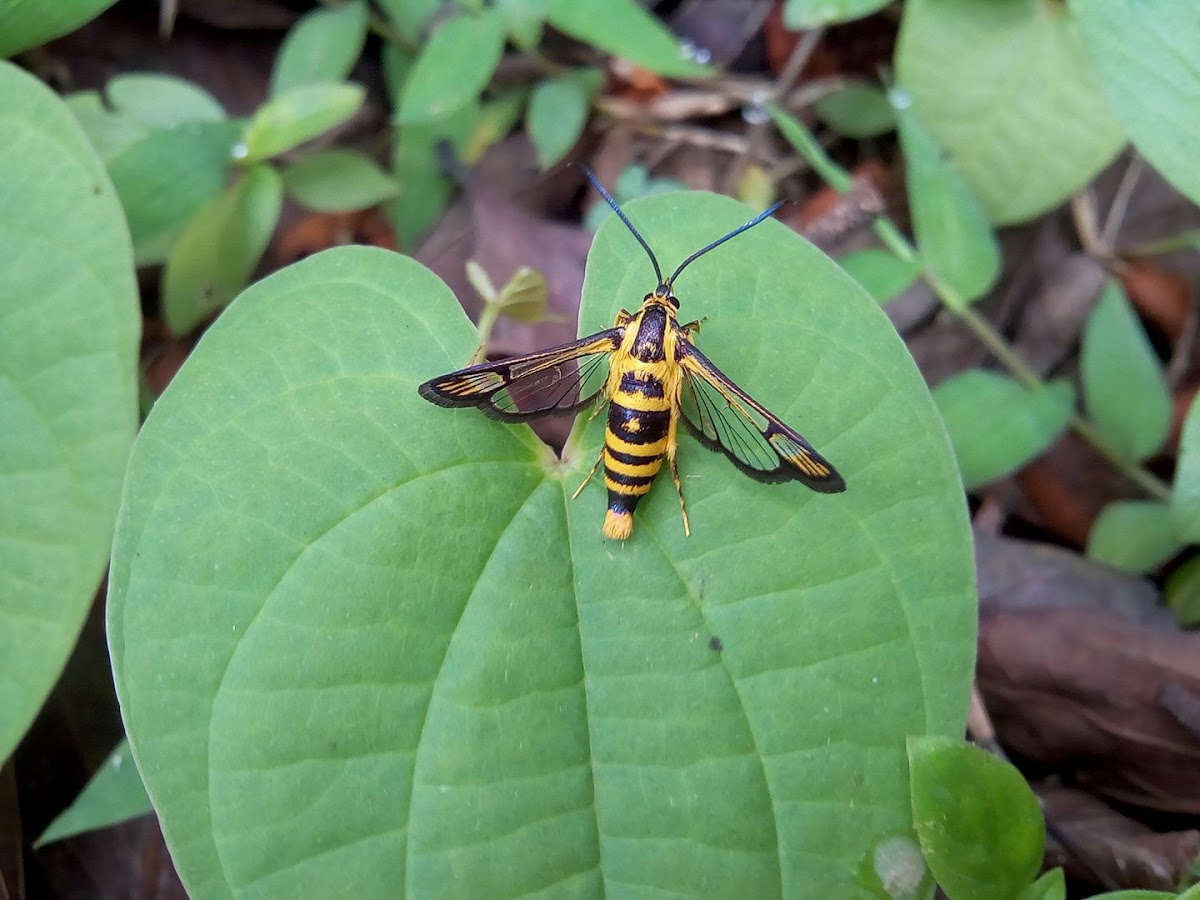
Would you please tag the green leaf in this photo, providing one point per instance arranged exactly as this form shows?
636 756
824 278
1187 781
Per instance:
1133 536
165 179
358 637
997 425
1123 383
801 14
1051 886
27 25
410 18
215 257
1185 494
396 64
953 235
493 122
558 110
68 386
625 29
1182 593
980 825
885 275
1141 895
337 181
857 111
525 296
453 68
114 794
162 101
523 21
108 132
993 83
425 188
321 48
290 119
1145 55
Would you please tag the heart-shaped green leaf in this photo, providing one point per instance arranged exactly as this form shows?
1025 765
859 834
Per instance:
1007 89
68 386
358 637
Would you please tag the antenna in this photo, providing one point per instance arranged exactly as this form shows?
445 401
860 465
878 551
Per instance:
766 213
624 218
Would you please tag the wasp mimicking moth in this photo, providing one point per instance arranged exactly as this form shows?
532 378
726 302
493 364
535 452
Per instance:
649 369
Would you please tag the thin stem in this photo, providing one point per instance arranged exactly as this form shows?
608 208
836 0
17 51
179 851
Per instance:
1120 203
1148 482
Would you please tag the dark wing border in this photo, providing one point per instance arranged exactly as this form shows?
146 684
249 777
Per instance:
495 387
726 424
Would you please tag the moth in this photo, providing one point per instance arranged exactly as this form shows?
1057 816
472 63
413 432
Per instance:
654 377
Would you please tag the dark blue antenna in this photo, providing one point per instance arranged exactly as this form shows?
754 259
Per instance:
765 214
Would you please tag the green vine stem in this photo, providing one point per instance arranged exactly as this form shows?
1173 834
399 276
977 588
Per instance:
891 236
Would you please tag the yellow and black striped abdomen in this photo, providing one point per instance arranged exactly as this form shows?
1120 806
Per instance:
635 442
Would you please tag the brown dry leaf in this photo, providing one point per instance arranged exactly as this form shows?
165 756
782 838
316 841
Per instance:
1053 320
635 83
1092 841
315 232
1068 485
828 216
1081 691
502 237
1021 576
1163 297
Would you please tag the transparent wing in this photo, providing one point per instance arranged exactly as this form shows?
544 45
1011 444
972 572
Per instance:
724 417
558 381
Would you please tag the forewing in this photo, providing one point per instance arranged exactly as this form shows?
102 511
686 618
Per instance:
723 416
560 380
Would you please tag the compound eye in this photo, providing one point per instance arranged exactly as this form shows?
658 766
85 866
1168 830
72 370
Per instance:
672 300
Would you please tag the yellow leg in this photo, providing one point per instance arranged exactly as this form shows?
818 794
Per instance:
691 327
687 528
672 431
579 490
623 317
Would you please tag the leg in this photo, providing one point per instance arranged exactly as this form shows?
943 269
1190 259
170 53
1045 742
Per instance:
623 318
687 528
671 447
599 459
693 327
